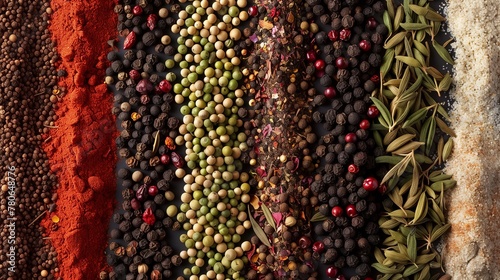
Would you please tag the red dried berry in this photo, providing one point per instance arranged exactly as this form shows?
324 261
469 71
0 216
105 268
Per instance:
330 92
153 190
375 78
337 211
148 216
370 184
165 86
137 10
373 112
345 34
305 242
340 277
135 203
341 62
365 45
177 160
334 35
134 74
364 124
320 74
372 23
253 11
165 159
351 211
331 272
318 247
144 86
351 137
151 21
319 64
129 40
311 56
353 168
382 189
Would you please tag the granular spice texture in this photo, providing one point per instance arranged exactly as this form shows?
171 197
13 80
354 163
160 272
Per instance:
471 250
81 149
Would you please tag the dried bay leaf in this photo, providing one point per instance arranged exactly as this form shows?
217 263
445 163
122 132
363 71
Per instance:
269 216
259 232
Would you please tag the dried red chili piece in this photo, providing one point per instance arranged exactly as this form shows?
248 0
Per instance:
148 217
129 40
141 193
169 142
177 160
151 21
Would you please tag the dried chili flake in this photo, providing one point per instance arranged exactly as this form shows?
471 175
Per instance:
129 40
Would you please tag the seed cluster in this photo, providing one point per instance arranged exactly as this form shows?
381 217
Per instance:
350 49
214 202
143 106
28 99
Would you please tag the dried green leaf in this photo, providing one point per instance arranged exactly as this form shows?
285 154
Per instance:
439 149
401 214
386 270
397 276
438 231
444 127
384 112
447 149
445 83
438 211
408 13
387 21
425 258
422 2
399 142
408 148
433 72
427 12
390 8
409 61
443 112
446 184
414 26
377 138
394 170
379 256
412 269
412 246
389 224
405 80
430 192
423 159
396 257
420 57
421 48
259 232
421 210
398 17
424 274
415 180
442 52
415 117
422 11
389 242
395 40
387 62
420 36
269 216
389 159
318 217
396 197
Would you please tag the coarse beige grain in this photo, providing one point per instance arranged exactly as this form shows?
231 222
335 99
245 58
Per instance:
472 249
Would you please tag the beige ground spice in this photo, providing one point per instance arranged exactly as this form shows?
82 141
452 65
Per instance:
472 248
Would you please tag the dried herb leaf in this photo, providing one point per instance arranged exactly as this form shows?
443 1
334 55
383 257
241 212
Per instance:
389 224
399 142
414 26
269 216
445 83
421 48
447 149
443 53
421 210
408 148
396 257
386 270
387 21
424 274
318 217
412 269
259 232
444 127
378 255
412 246
394 170
415 117
427 12
384 112
390 8
395 40
409 61
425 259
398 17
387 62
439 149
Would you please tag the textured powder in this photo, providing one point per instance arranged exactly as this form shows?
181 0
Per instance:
471 250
